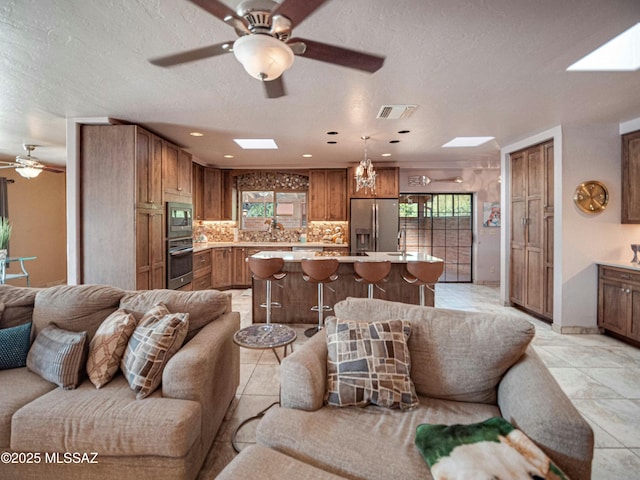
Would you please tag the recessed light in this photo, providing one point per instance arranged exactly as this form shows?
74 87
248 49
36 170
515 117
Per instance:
467 142
332 142
196 134
228 156
256 143
307 155
385 155
620 54
402 132
332 133
394 141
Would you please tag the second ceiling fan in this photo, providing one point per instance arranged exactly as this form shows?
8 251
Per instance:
265 46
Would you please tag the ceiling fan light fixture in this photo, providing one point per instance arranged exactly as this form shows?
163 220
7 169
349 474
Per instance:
28 172
262 56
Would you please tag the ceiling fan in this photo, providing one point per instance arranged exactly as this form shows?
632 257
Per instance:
265 46
29 167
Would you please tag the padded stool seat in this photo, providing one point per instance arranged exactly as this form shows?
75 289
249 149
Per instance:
424 274
267 269
371 273
319 271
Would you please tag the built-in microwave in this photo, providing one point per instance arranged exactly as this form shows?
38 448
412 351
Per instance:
179 220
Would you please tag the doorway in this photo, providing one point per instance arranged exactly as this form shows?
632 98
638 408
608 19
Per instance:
441 224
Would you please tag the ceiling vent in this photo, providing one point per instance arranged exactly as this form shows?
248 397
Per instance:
393 112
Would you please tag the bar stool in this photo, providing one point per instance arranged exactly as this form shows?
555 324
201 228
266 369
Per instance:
423 274
372 273
268 269
319 271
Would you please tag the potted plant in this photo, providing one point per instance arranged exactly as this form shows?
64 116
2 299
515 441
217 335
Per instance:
5 235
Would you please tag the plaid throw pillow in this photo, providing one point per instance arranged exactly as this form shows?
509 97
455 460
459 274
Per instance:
369 362
108 345
158 336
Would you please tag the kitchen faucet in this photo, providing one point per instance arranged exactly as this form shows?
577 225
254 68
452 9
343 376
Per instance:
402 235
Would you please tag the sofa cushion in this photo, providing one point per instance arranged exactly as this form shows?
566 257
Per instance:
78 308
455 355
59 356
203 306
371 443
18 305
14 346
369 362
490 449
19 386
109 421
155 340
107 347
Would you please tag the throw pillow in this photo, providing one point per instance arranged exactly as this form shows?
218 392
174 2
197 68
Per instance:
369 362
158 336
491 449
58 356
14 344
107 347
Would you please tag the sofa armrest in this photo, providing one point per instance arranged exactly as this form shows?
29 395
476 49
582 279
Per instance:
303 375
531 400
207 370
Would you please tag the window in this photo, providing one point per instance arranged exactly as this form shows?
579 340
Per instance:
261 207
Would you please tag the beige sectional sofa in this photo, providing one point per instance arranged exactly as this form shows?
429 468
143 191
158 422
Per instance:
466 367
87 433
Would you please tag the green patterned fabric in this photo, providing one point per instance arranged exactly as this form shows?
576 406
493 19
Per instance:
369 362
492 449
14 346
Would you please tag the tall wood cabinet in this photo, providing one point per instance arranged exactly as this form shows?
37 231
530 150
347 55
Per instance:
631 177
327 195
122 206
531 259
176 174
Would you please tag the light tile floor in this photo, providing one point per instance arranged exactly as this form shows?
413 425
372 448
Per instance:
599 374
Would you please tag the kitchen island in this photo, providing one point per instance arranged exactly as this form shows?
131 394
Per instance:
297 296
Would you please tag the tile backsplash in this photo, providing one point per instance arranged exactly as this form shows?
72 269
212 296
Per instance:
227 231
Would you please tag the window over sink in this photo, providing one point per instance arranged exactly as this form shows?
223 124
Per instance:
270 209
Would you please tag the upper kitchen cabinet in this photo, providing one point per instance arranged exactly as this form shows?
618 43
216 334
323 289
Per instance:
327 195
176 174
386 184
213 193
148 160
631 177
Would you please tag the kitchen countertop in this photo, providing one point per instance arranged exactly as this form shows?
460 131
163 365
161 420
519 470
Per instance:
393 257
198 247
621 264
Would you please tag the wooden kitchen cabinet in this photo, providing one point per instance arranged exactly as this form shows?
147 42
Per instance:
222 267
387 183
213 193
327 195
241 272
619 301
197 173
631 178
176 174
202 277
121 209
531 257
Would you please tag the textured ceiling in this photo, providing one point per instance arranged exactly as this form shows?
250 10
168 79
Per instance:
494 67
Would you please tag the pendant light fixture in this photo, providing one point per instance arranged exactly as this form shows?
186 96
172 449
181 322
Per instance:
365 174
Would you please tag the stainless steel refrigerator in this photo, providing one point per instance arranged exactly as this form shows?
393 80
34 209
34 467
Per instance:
374 225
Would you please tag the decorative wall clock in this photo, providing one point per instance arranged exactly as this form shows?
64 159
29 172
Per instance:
591 196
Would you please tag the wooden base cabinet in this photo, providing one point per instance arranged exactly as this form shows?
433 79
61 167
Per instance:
222 267
619 301
202 278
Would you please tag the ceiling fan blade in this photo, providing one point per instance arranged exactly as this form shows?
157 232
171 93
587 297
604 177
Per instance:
297 10
192 55
275 88
340 56
48 168
215 8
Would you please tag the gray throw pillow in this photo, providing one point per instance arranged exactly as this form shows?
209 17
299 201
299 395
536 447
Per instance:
59 356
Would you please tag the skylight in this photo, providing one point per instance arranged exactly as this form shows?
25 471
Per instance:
256 143
467 142
621 54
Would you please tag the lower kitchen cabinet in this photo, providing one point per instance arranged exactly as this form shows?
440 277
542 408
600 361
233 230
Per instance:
202 278
619 301
222 267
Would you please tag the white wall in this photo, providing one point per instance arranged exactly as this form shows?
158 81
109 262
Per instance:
484 184
581 153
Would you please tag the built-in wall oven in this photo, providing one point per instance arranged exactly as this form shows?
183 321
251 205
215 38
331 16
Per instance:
179 245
